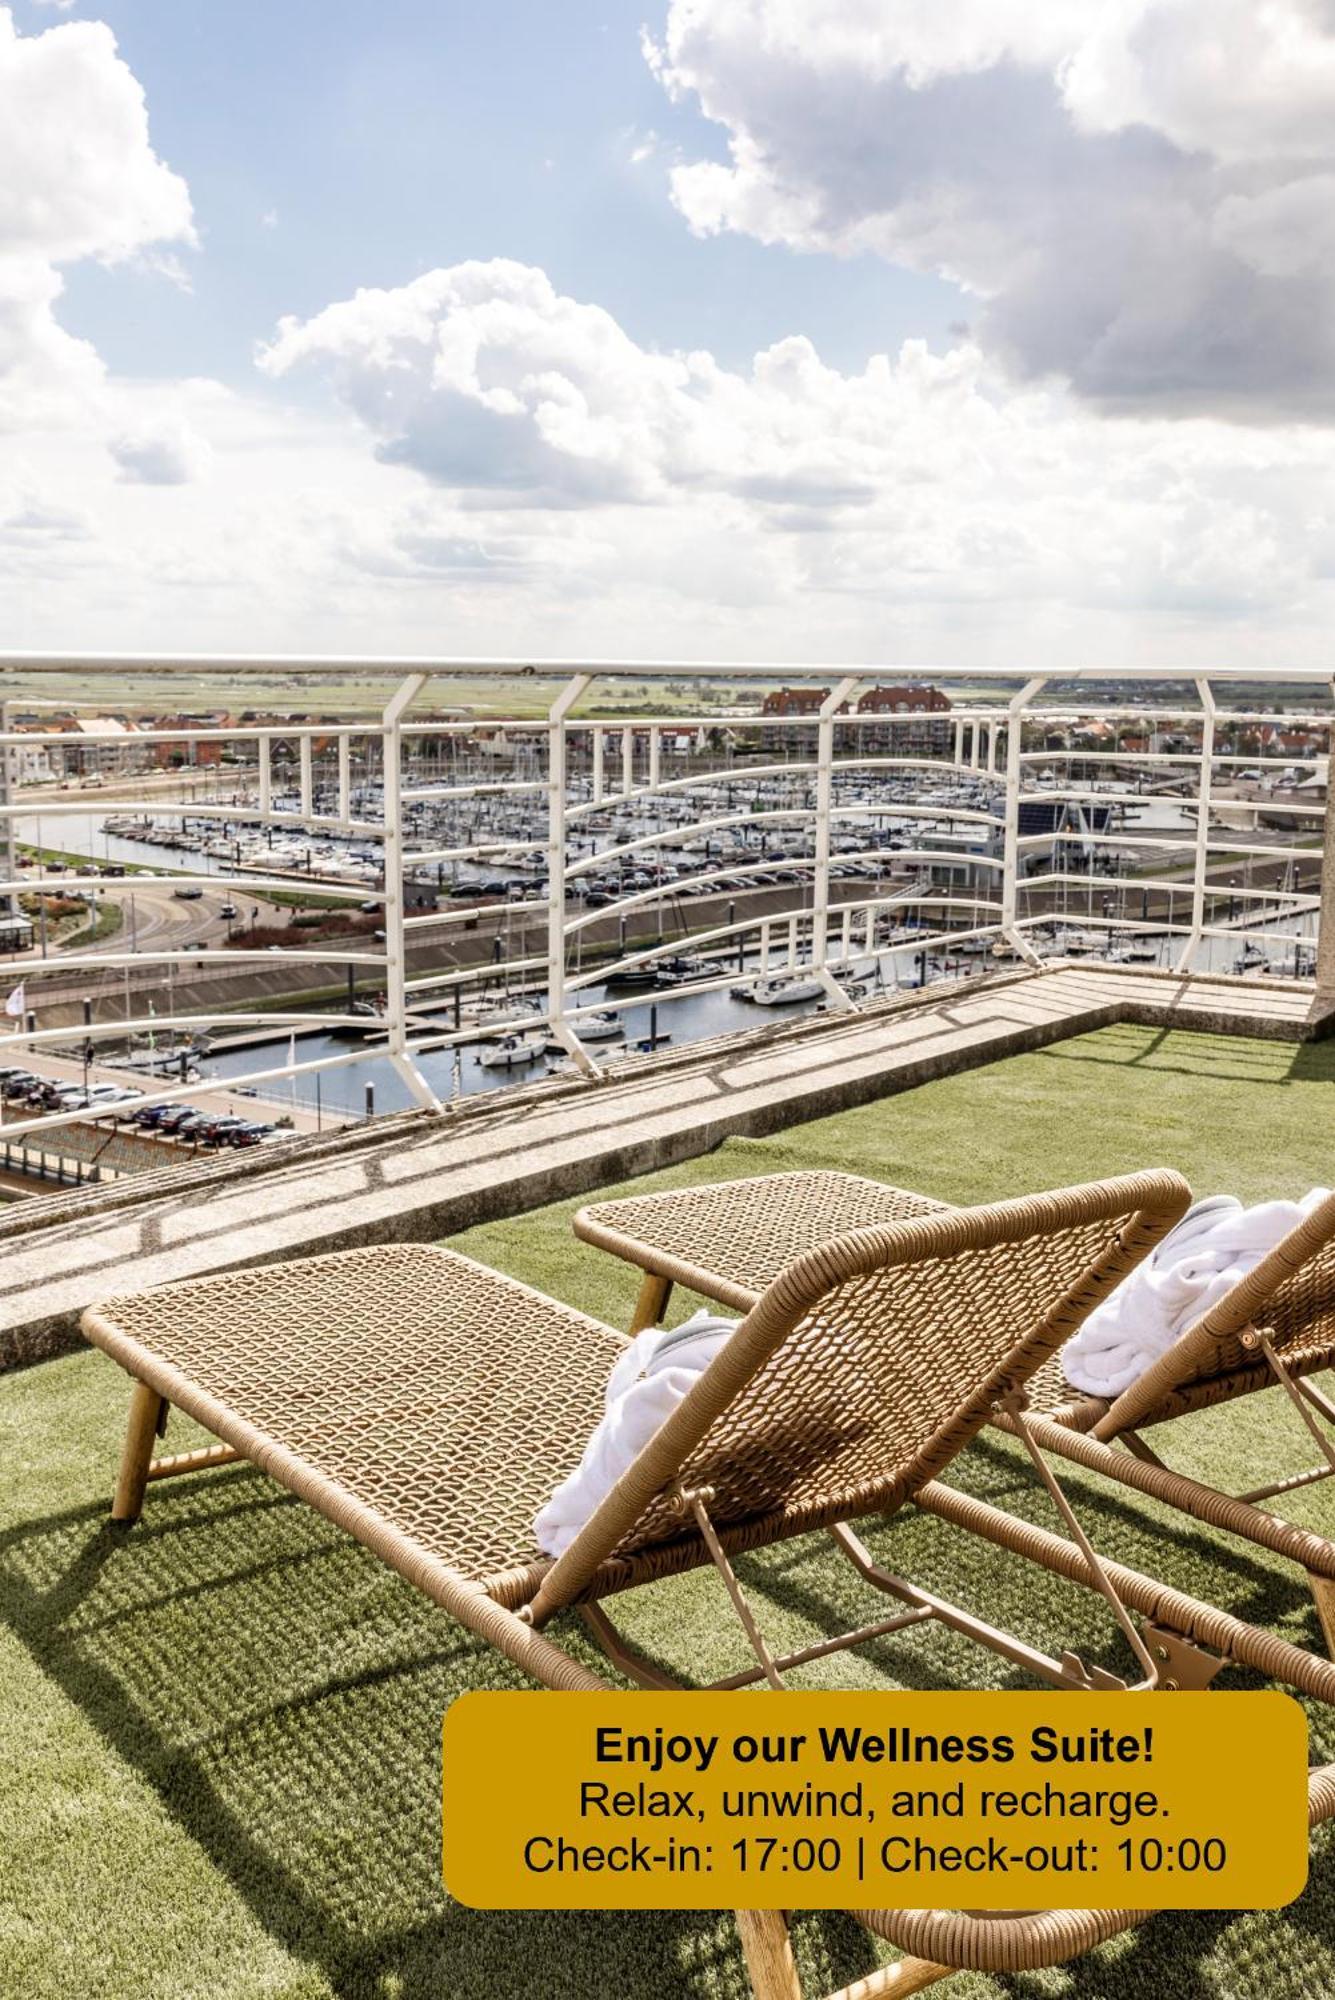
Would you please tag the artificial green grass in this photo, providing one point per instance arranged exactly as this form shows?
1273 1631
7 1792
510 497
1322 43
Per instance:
218 1734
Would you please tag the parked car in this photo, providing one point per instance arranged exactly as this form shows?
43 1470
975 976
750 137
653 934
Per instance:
67 1097
174 1116
121 1106
19 1084
218 1131
151 1116
247 1133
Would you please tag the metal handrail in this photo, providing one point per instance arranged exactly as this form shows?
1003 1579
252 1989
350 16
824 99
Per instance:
983 745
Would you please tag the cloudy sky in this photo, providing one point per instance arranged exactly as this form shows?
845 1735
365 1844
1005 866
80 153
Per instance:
942 330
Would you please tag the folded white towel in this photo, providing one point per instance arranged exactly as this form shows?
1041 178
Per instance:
1217 1242
656 1371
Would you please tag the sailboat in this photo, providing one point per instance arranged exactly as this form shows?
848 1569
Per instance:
778 990
604 1026
513 1052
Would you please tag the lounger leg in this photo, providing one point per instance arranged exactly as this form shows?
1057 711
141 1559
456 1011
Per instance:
889 1982
146 1407
768 1951
651 1303
1323 1590
769 1960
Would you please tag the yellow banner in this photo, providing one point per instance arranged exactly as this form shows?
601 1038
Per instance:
820 1801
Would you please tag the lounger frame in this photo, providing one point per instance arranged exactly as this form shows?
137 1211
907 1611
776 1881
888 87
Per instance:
825 1318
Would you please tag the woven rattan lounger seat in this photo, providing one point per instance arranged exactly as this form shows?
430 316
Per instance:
1277 1326
732 1238
427 1404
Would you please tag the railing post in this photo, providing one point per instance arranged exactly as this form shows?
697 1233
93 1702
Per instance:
264 767
556 873
820 892
1010 850
396 948
345 777
9 797
304 753
1202 860
1324 1002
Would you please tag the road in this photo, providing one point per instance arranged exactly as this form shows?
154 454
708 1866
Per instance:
156 918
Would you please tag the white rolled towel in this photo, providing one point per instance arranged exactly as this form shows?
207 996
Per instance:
657 1370
1217 1242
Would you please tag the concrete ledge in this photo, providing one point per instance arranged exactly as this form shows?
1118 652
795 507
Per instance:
418 1177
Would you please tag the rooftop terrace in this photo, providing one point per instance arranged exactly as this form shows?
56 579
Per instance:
220 1733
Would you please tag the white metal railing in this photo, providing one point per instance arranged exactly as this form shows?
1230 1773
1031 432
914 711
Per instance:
1039 814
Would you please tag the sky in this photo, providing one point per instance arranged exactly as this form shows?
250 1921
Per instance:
958 330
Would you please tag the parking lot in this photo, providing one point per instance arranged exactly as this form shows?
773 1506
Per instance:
208 1118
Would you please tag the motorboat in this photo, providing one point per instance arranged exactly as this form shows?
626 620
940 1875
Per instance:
693 968
604 1026
639 979
778 990
513 1052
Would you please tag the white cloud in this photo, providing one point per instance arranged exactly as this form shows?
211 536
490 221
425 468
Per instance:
505 468
501 467
165 453
78 180
483 378
1138 190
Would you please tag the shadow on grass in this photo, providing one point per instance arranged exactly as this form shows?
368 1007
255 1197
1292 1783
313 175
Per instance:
281 1692
1223 1058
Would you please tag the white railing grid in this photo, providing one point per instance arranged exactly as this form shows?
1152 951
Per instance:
973 877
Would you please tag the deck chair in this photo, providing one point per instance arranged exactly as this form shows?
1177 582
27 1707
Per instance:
1274 1330
428 1405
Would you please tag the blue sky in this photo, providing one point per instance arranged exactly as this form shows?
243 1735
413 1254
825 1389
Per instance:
985 330
416 133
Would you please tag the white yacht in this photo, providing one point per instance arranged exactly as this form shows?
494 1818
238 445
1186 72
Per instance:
513 1052
778 990
604 1026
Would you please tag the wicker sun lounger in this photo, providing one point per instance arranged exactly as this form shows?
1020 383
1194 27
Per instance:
429 1405
1275 1329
